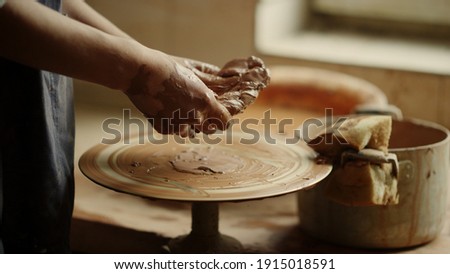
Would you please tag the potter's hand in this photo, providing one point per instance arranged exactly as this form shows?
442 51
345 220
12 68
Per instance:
174 99
209 74
236 84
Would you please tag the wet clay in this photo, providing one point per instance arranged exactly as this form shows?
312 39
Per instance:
206 161
238 83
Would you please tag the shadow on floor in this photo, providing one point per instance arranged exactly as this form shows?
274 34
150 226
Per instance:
89 237
295 241
96 238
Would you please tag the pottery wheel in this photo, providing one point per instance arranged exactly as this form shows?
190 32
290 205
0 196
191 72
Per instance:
232 169
229 170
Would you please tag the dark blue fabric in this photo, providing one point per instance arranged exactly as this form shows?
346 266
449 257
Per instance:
36 158
53 4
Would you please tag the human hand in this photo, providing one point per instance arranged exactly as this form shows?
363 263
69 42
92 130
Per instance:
236 84
174 99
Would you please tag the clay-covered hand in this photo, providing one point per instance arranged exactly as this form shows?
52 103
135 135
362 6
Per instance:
209 74
237 84
174 99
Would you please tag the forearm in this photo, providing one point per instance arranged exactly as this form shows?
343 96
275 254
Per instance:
79 10
82 12
40 37
93 49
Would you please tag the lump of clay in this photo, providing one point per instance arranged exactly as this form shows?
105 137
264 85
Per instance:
357 133
237 84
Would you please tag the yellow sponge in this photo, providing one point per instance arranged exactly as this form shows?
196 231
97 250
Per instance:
360 183
370 131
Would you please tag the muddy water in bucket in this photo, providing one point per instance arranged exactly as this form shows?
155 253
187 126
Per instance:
423 152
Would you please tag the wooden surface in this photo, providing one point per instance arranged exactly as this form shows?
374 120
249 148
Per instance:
110 222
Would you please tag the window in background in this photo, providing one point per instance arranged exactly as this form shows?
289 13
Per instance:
425 18
409 35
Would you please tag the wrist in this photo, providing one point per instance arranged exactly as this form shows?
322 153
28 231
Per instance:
124 62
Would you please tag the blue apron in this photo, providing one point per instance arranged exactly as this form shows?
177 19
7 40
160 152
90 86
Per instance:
36 158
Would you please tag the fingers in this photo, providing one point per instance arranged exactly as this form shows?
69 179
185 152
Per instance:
217 83
217 118
164 126
257 75
214 117
253 77
208 74
198 65
204 67
238 67
213 95
178 122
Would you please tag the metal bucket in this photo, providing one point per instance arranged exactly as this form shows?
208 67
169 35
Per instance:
422 149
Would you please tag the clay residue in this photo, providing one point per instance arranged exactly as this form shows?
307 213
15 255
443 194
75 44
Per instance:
238 83
205 161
